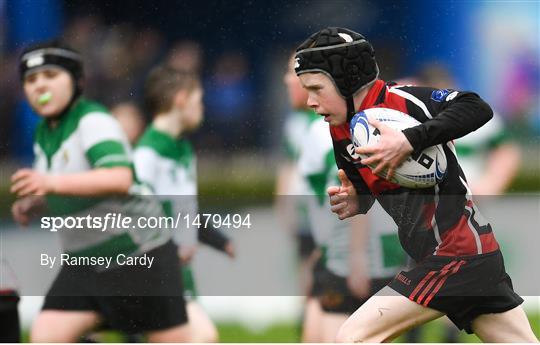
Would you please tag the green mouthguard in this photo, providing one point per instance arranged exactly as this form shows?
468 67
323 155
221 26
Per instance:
45 98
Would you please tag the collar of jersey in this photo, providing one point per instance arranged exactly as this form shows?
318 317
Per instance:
372 95
166 146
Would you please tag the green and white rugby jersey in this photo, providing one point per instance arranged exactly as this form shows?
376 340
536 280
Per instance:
318 168
168 167
85 138
473 149
295 126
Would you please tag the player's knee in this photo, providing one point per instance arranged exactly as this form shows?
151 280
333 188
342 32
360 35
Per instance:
40 335
349 333
343 336
178 334
205 338
208 335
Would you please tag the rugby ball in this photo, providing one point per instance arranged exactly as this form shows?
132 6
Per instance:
419 171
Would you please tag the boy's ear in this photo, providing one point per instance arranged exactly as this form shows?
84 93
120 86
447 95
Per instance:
180 98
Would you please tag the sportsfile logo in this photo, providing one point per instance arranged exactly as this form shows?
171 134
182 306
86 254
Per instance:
118 221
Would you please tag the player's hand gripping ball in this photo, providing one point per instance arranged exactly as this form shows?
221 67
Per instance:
418 171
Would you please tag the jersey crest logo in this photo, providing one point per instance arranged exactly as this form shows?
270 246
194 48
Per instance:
65 156
439 95
172 174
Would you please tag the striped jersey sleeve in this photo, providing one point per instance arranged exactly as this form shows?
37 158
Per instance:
103 141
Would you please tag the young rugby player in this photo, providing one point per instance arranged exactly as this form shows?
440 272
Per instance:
165 162
460 269
352 264
81 151
291 203
488 158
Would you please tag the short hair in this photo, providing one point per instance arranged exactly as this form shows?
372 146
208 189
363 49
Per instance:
162 83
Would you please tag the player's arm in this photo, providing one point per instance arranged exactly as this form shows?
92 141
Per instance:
360 192
216 239
353 196
502 166
285 173
450 115
359 280
185 236
28 207
288 168
285 203
107 151
446 116
97 182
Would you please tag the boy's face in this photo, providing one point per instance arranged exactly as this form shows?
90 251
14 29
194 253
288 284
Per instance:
48 91
193 110
297 94
324 98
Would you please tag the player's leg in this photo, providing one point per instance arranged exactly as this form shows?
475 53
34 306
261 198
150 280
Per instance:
311 329
202 328
176 334
161 316
9 319
451 332
509 326
60 326
330 325
337 303
384 317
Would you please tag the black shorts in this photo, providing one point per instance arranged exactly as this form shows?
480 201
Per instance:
334 294
9 317
8 300
129 299
305 243
462 287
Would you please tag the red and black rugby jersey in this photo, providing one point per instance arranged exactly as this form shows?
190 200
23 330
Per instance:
442 220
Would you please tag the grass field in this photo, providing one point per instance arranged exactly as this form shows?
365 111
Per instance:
432 333
290 333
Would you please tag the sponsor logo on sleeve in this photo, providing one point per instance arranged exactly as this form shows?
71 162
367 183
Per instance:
439 95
